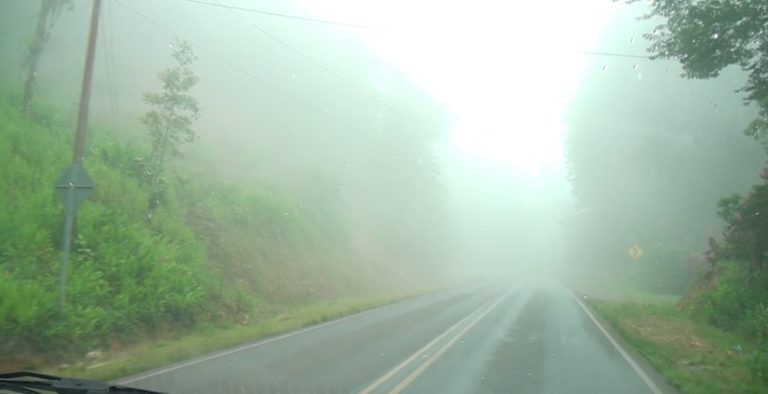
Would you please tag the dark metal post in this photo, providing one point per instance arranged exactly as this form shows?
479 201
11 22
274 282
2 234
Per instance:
69 219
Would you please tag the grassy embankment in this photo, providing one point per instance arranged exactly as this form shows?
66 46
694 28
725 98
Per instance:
218 264
205 339
694 356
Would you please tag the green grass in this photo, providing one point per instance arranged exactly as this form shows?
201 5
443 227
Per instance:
154 353
638 297
220 263
215 253
695 357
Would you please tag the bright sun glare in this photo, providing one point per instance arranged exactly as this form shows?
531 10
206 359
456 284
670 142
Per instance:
507 70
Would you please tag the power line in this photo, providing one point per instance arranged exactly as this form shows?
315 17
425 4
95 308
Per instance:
230 64
323 112
626 55
277 14
359 26
310 59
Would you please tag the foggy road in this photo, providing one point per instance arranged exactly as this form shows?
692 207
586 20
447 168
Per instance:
514 339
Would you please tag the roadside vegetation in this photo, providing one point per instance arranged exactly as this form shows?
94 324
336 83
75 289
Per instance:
213 253
210 337
164 251
692 354
715 338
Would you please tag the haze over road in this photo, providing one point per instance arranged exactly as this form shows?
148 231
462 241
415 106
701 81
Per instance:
517 338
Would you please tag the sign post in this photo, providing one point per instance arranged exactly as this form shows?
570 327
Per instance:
73 187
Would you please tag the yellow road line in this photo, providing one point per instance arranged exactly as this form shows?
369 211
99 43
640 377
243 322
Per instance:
392 372
423 367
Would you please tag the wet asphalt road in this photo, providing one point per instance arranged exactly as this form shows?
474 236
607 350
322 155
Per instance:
516 338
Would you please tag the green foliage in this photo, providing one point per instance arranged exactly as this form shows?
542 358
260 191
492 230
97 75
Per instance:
169 122
665 269
214 251
125 278
173 110
694 356
759 364
708 36
649 179
736 301
746 229
758 129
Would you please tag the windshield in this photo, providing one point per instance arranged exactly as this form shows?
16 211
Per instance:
402 196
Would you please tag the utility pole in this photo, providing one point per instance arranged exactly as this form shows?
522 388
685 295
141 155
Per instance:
85 91
74 185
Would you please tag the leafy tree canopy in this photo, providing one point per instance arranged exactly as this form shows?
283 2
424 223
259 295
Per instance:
708 36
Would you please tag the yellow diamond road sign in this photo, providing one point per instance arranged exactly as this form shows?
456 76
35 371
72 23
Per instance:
635 252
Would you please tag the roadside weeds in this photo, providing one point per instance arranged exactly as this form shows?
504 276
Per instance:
693 356
156 353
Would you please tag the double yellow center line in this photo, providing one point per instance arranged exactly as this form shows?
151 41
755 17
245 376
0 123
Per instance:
463 325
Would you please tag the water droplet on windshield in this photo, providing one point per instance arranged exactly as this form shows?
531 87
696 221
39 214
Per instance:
636 67
757 213
715 36
632 39
293 76
605 68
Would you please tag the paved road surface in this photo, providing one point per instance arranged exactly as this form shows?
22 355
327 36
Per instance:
517 338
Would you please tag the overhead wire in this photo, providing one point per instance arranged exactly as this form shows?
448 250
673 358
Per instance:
277 14
613 54
323 112
215 3
310 59
233 9
262 81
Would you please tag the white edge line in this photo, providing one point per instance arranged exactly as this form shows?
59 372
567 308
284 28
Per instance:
648 382
174 367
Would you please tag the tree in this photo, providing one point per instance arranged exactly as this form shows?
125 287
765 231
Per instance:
708 36
746 229
170 120
648 154
49 11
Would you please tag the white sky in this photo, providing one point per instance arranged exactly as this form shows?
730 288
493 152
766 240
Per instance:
507 70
